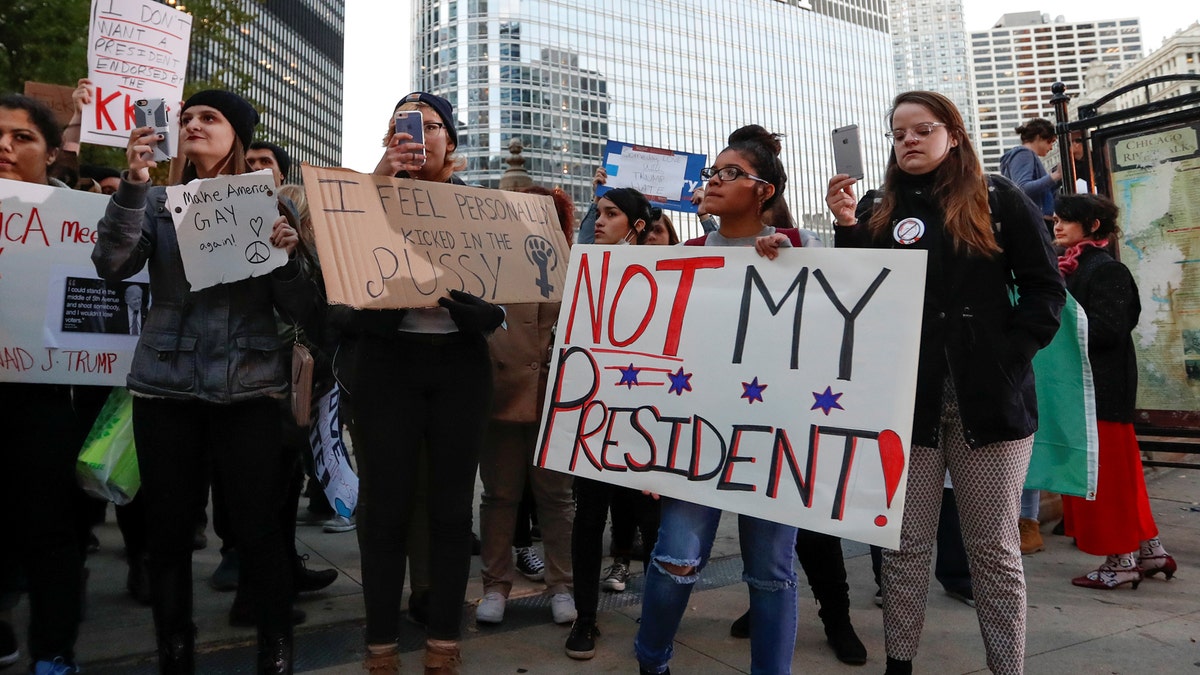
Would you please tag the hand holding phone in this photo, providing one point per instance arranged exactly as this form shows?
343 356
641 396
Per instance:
847 152
412 123
153 113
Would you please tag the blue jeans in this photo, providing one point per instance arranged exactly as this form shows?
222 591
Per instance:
685 538
1031 503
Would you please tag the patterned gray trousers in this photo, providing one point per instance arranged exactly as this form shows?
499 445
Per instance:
987 483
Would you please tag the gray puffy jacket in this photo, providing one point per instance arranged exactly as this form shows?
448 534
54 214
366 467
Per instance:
219 344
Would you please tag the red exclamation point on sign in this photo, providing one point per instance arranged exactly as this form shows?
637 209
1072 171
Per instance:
891 455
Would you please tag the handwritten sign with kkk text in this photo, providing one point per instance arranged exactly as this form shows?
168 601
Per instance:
137 49
224 227
395 243
59 322
781 389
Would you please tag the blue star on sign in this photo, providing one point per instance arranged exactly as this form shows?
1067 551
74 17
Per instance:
827 400
628 377
753 391
680 382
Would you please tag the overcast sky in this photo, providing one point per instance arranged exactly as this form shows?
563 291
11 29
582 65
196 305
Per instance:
379 53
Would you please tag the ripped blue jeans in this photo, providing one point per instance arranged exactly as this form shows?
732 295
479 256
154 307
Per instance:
685 538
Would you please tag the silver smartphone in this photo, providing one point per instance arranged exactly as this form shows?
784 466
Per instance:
847 152
412 123
152 112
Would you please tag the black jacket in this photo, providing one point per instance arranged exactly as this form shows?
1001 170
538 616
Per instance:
970 329
1108 295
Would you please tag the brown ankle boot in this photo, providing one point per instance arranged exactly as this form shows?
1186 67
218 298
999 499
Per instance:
1031 536
442 658
387 663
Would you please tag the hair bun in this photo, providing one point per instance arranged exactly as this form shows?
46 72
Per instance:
754 133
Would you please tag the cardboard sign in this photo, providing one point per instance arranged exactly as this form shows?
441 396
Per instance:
224 227
59 322
394 243
667 178
781 389
137 49
56 97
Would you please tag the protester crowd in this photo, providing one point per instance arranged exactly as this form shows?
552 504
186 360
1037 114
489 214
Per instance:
434 397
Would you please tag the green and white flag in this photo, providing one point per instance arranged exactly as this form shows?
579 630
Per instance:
1066 445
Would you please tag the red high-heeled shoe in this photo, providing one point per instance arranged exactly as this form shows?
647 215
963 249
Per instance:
1106 579
1158 563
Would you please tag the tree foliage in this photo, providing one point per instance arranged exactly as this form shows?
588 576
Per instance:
43 41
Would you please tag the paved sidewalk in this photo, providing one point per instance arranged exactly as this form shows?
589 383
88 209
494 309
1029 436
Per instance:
1071 630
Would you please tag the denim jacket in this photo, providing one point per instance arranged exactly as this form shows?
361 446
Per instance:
218 345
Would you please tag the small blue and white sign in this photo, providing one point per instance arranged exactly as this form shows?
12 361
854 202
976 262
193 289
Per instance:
667 178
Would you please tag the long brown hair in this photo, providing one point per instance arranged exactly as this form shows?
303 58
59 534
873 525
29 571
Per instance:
183 171
959 184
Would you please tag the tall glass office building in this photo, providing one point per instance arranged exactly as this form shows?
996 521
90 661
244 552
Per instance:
564 76
293 52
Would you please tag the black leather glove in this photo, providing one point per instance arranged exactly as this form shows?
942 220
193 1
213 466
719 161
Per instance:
472 314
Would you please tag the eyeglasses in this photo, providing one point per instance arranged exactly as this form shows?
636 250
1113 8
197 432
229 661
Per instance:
920 132
728 174
434 128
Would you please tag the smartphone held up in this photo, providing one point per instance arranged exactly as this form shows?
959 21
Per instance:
152 112
847 152
411 122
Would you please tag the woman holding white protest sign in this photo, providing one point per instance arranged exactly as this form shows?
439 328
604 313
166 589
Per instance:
976 409
207 371
421 383
50 423
746 180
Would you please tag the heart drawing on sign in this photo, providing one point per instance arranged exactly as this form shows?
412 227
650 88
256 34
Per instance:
256 225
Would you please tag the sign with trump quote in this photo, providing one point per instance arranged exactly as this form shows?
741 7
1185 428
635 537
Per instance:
59 322
781 389
392 243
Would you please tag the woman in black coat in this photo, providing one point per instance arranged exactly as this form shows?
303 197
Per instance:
1118 523
976 410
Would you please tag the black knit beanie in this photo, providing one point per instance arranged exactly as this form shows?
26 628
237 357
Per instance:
241 115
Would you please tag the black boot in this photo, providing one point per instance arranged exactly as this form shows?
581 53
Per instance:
275 654
305 580
898 667
176 653
821 557
171 594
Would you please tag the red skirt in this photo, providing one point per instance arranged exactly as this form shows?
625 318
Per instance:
1119 519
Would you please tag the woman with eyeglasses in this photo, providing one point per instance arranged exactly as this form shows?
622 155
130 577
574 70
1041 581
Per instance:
746 180
421 384
976 410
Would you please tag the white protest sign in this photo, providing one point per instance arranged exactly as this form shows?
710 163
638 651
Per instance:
59 322
224 226
781 389
137 49
331 460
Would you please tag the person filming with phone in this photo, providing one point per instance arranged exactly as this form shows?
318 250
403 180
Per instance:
421 383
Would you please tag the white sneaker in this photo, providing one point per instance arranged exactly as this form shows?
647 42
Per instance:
491 608
562 606
339 524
